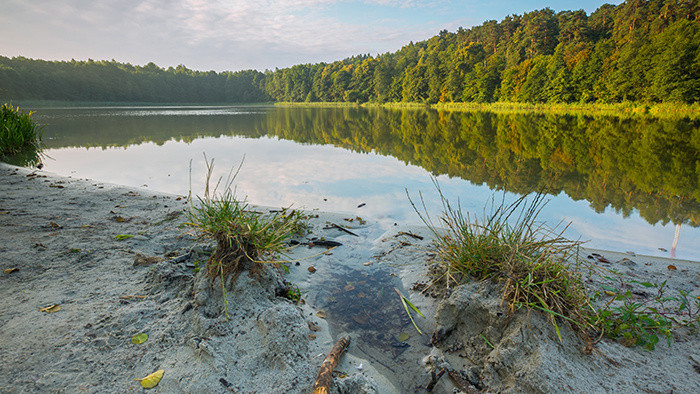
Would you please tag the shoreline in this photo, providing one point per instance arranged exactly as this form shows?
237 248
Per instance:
62 235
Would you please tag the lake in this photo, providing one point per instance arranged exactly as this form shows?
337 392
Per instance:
624 184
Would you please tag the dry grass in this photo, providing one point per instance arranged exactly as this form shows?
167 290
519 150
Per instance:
510 246
245 238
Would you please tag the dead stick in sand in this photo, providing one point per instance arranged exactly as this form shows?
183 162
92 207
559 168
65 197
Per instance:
323 381
335 226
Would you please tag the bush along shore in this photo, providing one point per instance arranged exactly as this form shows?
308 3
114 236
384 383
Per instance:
19 134
516 308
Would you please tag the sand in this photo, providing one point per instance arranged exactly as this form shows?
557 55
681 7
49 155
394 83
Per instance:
119 261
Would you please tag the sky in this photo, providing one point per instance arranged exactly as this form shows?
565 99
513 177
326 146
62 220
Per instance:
232 35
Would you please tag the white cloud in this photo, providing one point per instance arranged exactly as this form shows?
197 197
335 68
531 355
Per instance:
201 34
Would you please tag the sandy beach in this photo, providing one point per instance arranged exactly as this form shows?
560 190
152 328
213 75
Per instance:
87 265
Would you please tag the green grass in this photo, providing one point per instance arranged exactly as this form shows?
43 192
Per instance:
507 245
18 132
626 109
245 238
533 263
633 320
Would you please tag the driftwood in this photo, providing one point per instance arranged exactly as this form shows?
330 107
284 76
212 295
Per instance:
323 381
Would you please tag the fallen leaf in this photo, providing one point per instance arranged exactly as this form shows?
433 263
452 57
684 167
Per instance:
312 336
132 296
312 269
4 212
349 287
313 326
151 380
403 337
51 308
610 293
10 270
360 319
55 225
140 259
139 338
360 295
121 237
321 314
367 263
672 267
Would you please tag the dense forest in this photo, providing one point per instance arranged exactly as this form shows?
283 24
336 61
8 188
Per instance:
641 51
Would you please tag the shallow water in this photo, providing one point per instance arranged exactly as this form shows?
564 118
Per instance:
624 184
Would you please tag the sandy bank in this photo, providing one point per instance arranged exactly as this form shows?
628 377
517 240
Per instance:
119 262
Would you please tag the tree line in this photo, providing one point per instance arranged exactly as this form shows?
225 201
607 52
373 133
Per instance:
640 50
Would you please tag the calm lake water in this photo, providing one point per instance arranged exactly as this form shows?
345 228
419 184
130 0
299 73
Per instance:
625 184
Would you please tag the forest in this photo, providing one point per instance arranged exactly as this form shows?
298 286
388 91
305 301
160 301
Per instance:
644 51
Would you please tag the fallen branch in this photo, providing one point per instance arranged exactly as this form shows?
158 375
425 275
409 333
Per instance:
323 381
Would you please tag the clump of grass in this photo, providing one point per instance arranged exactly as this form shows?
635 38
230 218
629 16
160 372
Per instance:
18 132
245 238
509 246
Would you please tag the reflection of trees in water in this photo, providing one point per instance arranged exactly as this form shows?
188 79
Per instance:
638 163
644 163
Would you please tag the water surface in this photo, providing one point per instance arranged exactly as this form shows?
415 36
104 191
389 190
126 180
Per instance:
626 184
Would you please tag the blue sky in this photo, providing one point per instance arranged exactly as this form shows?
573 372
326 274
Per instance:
239 34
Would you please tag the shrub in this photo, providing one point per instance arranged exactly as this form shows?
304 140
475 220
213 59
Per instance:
18 131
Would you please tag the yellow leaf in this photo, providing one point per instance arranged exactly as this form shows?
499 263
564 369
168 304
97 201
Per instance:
321 314
51 308
610 293
139 338
10 270
151 380
672 267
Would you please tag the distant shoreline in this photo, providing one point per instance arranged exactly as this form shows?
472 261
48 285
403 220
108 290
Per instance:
668 110
658 110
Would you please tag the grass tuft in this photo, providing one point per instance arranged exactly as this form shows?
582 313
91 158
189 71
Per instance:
245 238
509 246
18 132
